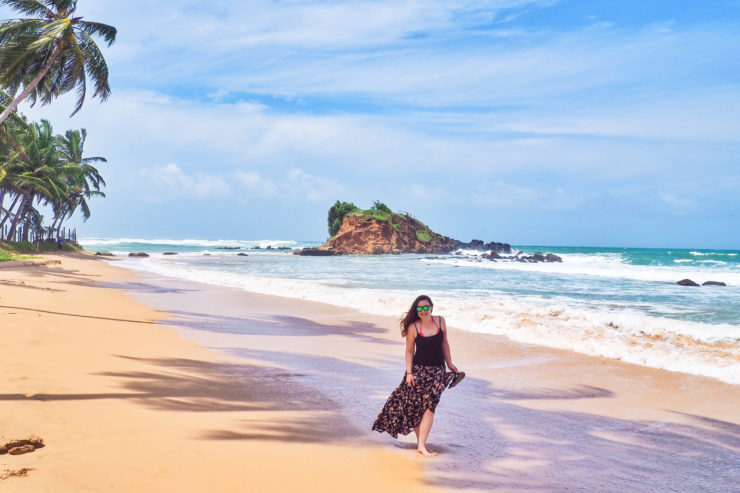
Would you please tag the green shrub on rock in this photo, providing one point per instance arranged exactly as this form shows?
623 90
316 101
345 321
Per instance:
337 213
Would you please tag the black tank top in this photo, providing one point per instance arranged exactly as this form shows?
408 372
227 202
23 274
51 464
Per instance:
429 349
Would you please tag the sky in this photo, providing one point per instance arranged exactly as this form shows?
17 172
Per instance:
532 122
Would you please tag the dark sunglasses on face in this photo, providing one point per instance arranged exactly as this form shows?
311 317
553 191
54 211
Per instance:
425 308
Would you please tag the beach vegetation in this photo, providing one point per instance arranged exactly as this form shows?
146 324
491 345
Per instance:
380 206
51 51
337 213
378 212
43 169
423 235
21 247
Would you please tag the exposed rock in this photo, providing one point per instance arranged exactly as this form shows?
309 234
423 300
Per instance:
363 234
536 257
713 283
23 449
138 254
18 446
228 248
315 252
493 246
269 247
242 254
169 253
686 282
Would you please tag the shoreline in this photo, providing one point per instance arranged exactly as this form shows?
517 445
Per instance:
649 340
124 403
526 416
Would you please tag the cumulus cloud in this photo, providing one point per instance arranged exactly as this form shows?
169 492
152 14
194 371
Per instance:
305 101
169 181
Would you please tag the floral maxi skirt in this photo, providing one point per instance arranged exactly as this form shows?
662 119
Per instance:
406 405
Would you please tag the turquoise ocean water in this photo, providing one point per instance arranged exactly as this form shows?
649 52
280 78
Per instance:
621 303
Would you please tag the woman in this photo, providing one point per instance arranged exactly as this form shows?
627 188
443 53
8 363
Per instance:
411 406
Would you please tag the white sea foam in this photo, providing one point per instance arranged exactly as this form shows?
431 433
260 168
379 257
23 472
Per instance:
603 265
189 242
691 347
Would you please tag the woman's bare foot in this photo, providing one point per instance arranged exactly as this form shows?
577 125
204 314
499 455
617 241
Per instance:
426 452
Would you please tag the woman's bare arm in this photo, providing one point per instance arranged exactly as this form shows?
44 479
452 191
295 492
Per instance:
410 338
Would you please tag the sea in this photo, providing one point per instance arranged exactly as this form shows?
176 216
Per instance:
620 303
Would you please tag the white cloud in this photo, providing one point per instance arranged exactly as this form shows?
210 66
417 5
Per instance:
169 181
252 182
501 195
678 205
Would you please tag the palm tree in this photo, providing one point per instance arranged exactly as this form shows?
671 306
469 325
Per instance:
38 173
50 53
83 181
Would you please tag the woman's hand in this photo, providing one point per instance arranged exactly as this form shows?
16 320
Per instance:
410 379
453 368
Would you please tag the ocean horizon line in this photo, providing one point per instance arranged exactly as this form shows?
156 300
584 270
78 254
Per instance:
91 239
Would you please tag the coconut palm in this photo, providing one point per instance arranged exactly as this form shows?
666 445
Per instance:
51 53
38 173
83 180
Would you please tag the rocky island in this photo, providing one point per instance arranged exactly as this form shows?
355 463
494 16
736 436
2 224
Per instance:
379 230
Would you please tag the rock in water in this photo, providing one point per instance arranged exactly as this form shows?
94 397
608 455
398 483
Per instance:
713 283
686 282
364 234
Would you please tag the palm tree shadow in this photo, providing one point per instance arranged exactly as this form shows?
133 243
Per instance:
141 287
275 325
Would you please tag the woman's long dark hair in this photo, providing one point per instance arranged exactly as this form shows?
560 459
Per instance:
412 315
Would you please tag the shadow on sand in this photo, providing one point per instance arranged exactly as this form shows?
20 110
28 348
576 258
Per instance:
488 441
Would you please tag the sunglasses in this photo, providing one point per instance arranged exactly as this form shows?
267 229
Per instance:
426 308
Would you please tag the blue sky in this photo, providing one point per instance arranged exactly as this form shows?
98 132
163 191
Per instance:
606 123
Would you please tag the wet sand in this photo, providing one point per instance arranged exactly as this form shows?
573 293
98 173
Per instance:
126 404
296 386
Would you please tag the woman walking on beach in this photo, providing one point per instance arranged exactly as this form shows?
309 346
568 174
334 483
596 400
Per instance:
411 406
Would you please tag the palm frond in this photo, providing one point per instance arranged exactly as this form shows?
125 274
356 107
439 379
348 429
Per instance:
12 28
29 7
95 66
108 33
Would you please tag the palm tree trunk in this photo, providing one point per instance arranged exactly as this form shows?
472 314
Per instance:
7 215
18 215
58 218
30 87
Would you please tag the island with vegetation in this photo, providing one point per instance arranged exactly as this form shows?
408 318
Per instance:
379 230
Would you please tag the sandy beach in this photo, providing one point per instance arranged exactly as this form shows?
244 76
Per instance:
138 382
